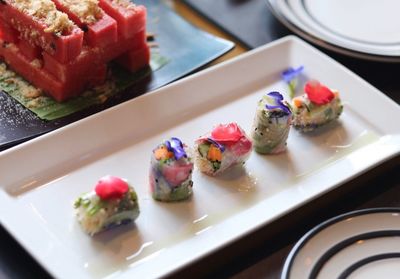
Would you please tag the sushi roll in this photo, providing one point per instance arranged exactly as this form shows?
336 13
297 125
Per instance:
171 170
317 107
112 203
271 124
225 146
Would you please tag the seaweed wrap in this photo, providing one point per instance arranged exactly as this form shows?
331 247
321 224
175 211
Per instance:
113 202
271 124
317 107
171 170
225 146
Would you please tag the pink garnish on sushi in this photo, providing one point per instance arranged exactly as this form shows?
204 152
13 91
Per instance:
231 134
318 93
227 133
111 187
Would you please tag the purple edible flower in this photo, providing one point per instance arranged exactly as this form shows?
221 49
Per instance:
290 76
220 146
175 145
290 73
276 95
278 104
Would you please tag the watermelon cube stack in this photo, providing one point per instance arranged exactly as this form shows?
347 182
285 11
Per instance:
70 53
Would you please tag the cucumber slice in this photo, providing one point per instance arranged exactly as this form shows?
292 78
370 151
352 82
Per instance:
203 149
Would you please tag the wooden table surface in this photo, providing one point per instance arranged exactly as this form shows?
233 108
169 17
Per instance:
193 17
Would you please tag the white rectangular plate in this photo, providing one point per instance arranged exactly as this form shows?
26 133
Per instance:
41 178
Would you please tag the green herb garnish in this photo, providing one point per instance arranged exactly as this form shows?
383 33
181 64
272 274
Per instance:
78 202
95 208
216 165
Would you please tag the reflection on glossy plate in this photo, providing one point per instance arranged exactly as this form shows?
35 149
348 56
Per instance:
41 178
362 244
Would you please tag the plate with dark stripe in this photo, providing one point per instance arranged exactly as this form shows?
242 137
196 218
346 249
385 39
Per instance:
358 244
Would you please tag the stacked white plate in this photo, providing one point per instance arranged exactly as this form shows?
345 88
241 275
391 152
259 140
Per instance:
364 29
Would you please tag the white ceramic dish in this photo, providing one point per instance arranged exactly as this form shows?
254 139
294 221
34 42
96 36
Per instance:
361 244
363 29
41 178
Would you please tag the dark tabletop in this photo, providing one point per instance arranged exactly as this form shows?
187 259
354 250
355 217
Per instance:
262 254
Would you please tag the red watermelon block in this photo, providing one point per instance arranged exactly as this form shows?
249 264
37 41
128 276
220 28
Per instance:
30 52
64 46
131 18
123 45
41 78
102 33
37 76
9 34
134 60
100 29
87 68
98 76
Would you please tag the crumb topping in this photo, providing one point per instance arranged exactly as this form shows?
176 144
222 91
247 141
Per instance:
88 11
126 4
3 68
11 81
46 12
31 92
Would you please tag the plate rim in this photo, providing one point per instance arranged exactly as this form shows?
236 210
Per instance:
305 7
325 224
